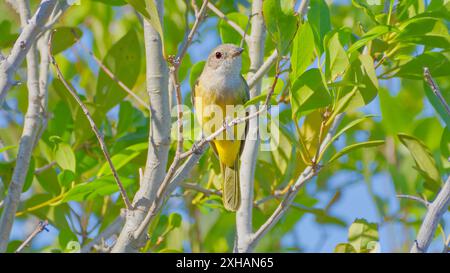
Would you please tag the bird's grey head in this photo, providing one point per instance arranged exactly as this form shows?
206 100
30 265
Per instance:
226 59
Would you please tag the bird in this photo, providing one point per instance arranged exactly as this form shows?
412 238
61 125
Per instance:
220 88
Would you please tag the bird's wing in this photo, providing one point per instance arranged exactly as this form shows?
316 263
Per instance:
246 90
245 99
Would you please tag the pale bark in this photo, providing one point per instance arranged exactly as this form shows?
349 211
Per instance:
35 117
434 214
244 227
31 124
159 139
110 231
32 28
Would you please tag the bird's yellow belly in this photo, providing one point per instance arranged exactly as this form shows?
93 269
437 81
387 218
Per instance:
211 112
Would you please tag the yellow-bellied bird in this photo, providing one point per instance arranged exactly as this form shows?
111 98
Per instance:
219 96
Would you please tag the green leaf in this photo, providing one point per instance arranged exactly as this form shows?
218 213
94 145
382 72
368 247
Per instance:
319 18
100 187
361 234
349 126
425 163
65 157
372 34
229 34
64 38
336 57
438 63
8 37
30 175
427 31
123 158
362 74
112 2
124 61
350 148
436 103
148 9
344 248
196 70
362 4
390 107
175 220
65 236
6 148
302 51
309 92
281 24
65 178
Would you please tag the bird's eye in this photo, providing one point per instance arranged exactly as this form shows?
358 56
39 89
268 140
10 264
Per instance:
218 55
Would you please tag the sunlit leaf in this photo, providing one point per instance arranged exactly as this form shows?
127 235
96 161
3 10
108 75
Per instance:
302 51
356 146
65 157
65 37
148 9
336 57
124 60
319 18
344 248
361 234
309 92
281 24
425 163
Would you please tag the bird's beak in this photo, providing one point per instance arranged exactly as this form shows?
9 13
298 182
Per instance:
237 52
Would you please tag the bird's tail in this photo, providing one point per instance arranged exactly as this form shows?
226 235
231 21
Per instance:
231 193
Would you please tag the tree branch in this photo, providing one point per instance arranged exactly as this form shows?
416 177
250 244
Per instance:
415 198
244 226
256 77
173 72
159 138
434 214
435 88
112 229
92 123
303 8
30 128
232 24
22 45
39 228
195 187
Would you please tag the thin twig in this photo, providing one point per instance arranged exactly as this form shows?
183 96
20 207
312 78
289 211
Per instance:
263 69
196 187
110 73
112 229
303 8
426 203
92 123
434 87
39 228
232 24
44 168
